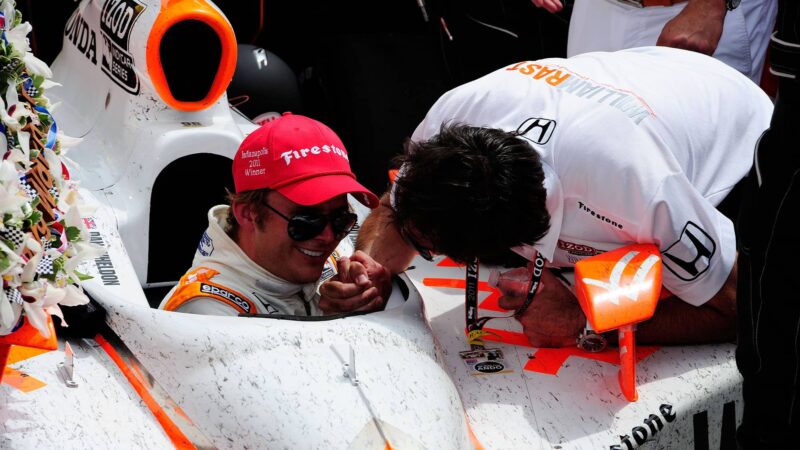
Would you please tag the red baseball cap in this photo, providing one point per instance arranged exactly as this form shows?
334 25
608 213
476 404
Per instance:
299 157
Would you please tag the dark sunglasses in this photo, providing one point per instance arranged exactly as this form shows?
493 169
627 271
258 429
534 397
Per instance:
426 253
305 226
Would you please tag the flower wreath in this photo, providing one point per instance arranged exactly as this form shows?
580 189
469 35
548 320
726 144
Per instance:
43 238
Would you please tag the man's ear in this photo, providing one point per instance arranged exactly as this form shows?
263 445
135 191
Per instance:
244 214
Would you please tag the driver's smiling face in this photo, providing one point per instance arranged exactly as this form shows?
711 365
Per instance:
296 262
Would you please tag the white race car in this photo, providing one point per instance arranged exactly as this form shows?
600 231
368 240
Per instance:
143 84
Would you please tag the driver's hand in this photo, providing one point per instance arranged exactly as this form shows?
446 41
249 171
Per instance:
361 284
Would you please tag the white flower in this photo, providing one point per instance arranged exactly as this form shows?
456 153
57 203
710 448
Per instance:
74 296
18 36
83 251
6 313
8 11
29 272
34 310
9 122
14 259
36 66
47 84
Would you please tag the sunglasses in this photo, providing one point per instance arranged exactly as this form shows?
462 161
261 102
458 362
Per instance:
305 226
426 253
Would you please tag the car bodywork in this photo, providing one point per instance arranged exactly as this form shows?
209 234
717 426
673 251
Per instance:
150 155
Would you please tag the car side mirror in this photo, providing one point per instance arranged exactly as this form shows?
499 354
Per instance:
617 290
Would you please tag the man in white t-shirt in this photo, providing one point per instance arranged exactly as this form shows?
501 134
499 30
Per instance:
733 31
285 230
574 157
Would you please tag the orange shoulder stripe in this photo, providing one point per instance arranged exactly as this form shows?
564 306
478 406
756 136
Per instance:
197 283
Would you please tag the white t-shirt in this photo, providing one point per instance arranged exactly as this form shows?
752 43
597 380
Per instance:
638 146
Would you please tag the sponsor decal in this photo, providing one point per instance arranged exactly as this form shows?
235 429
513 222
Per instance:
77 32
292 155
578 249
728 432
206 245
690 256
230 296
613 222
652 425
489 367
484 361
537 130
116 21
633 106
108 274
117 18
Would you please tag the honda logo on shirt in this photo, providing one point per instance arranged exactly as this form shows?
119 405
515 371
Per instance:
537 129
690 256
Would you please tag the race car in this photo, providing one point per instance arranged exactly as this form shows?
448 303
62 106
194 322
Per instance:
143 86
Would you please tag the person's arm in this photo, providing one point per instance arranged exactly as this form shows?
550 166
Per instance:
364 281
380 238
698 27
553 6
555 318
677 322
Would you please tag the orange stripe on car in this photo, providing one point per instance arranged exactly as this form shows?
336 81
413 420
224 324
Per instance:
173 432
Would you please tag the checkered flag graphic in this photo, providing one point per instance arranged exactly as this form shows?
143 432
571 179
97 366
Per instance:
11 137
45 266
26 186
46 243
13 295
32 91
29 87
13 235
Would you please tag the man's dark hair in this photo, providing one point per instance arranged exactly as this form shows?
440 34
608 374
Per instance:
472 192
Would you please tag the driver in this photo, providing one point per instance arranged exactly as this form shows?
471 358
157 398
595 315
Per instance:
568 158
286 225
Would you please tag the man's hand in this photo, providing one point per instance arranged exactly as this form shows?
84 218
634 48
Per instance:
361 285
698 27
553 6
553 319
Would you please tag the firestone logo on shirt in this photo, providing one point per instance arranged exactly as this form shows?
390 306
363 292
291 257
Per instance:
582 206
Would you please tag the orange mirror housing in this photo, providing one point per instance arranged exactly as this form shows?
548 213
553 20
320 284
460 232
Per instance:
619 287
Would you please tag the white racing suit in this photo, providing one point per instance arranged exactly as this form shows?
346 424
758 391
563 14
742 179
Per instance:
223 280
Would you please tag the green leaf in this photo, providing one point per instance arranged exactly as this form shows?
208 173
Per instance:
5 261
37 81
58 264
73 234
35 217
82 276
